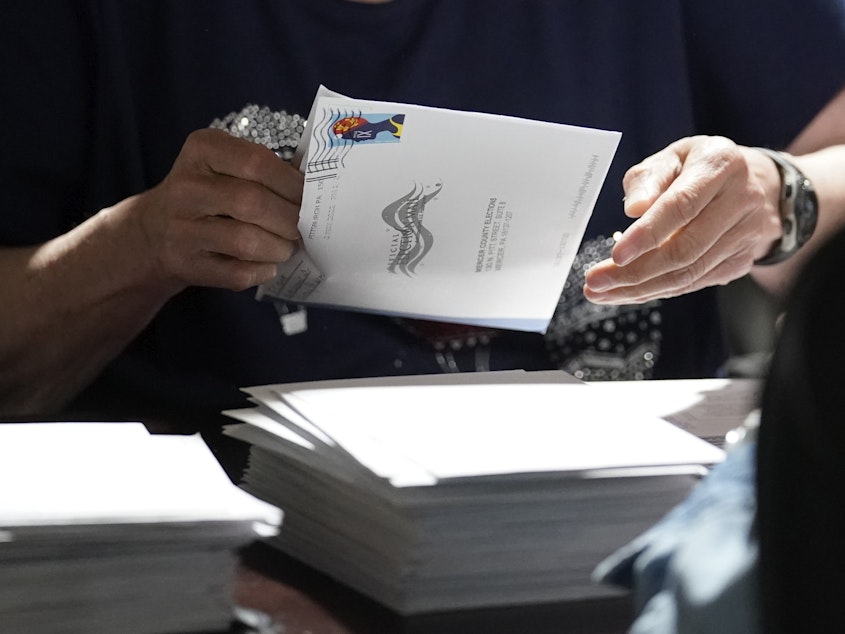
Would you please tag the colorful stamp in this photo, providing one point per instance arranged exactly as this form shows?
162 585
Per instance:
337 132
374 128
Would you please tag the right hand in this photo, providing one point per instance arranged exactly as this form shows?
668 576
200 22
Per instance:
224 216
706 210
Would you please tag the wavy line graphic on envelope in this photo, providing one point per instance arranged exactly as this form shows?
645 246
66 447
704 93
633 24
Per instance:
411 241
329 151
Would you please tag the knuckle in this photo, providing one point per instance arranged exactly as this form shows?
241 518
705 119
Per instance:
683 204
688 275
244 243
634 174
197 142
723 156
716 143
196 137
248 201
254 164
180 190
647 233
687 249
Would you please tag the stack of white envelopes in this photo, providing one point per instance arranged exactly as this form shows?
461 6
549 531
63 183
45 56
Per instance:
441 493
106 528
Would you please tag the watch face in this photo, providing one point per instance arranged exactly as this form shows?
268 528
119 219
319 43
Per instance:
806 212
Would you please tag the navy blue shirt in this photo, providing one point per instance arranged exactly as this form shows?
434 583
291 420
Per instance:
99 97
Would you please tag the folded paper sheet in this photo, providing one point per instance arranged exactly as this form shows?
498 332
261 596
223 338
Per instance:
424 212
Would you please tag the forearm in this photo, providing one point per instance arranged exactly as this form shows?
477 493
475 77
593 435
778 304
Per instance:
826 169
224 217
70 306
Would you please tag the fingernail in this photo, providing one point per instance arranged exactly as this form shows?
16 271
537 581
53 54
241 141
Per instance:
623 253
593 296
637 197
632 197
598 282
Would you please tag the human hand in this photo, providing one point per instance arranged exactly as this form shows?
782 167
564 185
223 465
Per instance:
706 209
224 216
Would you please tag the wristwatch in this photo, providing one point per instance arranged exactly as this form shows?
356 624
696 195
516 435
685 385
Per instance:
799 208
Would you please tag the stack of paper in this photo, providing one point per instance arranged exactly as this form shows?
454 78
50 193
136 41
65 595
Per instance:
435 493
106 528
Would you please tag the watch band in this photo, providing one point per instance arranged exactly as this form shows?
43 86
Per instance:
798 208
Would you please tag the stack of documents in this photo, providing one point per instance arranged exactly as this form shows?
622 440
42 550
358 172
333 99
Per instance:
456 491
106 528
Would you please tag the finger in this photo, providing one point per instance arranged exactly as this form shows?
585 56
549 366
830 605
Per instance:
723 229
729 258
201 195
194 264
239 240
726 271
252 203
643 183
219 271
705 169
221 153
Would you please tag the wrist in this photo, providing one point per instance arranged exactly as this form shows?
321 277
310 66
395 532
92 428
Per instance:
135 253
797 206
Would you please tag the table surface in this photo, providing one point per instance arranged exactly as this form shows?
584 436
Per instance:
300 600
